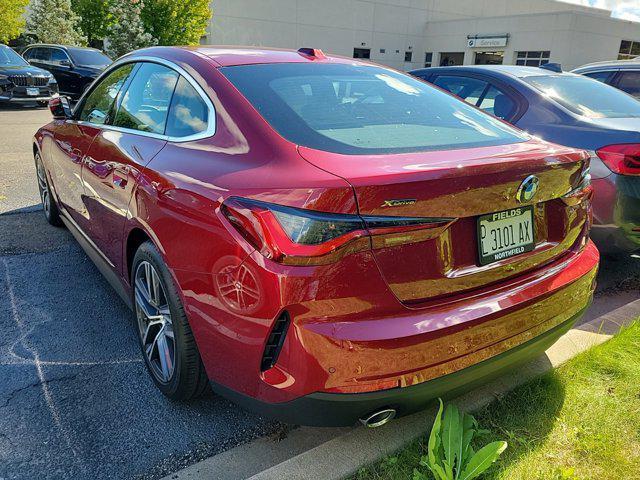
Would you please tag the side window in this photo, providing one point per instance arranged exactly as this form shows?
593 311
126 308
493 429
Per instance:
498 103
28 54
600 76
468 89
630 82
98 104
145 104
59 56
188 113
41 54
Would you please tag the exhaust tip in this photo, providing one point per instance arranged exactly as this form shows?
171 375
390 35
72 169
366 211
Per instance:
379 418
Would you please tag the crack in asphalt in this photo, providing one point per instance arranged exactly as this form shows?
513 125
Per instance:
12 395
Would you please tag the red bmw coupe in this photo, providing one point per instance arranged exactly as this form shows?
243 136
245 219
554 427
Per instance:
318 238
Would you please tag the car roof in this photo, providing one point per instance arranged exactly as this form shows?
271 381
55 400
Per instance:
515 71
226 56
64 47
633 63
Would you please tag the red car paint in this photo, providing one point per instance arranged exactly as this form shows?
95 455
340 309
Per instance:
366 321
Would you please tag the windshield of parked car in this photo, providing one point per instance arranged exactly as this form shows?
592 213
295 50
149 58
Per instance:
585 96
361 109
9 58
89 58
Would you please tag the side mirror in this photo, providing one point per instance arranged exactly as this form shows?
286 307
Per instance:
66 64
60 108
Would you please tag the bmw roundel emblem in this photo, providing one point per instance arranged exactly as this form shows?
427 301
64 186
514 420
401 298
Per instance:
527 189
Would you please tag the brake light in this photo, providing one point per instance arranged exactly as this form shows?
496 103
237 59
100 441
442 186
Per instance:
296 236
623 159
584 190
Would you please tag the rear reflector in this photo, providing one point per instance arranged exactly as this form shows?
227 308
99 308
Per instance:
274 342
623 159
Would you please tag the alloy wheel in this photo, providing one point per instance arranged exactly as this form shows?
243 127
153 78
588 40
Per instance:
154 322
43 187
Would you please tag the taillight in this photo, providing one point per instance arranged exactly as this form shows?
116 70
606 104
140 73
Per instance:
296 236
623 159
584 190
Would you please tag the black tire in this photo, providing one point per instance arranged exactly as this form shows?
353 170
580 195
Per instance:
188 378
51 211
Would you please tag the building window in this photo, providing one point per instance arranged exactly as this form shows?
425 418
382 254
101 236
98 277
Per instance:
361 53
629 50
451 58
428 59
408 56
532 59
382 50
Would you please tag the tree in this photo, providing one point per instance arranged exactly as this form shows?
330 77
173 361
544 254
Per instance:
53 21
127 31
12 15
95 18
176 22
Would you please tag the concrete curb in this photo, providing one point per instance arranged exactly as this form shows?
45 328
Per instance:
338 453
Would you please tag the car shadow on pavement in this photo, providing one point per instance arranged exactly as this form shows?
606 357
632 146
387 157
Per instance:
75 398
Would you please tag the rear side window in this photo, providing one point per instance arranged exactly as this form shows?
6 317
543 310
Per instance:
40 53
99 102
498 103
630 82
188 114
600 76
145 104
361 109
468 89
586 97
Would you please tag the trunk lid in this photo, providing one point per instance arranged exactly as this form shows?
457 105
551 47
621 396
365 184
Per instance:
462 185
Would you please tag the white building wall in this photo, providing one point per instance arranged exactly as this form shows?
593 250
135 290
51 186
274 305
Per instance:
389 28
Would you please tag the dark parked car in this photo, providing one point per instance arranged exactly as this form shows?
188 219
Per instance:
572 110
323 239
74 67
622 74
21 82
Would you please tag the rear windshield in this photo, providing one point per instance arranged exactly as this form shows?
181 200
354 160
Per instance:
89 58
354 109
585 96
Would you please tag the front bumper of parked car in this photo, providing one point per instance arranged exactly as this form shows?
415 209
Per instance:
20 94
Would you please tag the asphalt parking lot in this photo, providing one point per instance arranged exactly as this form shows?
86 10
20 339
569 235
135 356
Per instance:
75 399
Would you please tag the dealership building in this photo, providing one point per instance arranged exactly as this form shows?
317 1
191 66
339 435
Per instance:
408 34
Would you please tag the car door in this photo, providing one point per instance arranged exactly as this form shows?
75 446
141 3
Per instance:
119 154
62 68
72 139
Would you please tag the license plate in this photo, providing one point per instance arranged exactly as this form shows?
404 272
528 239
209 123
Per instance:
505 234
33 92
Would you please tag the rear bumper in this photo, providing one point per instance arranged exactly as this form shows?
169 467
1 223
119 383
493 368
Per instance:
334 372
340 409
